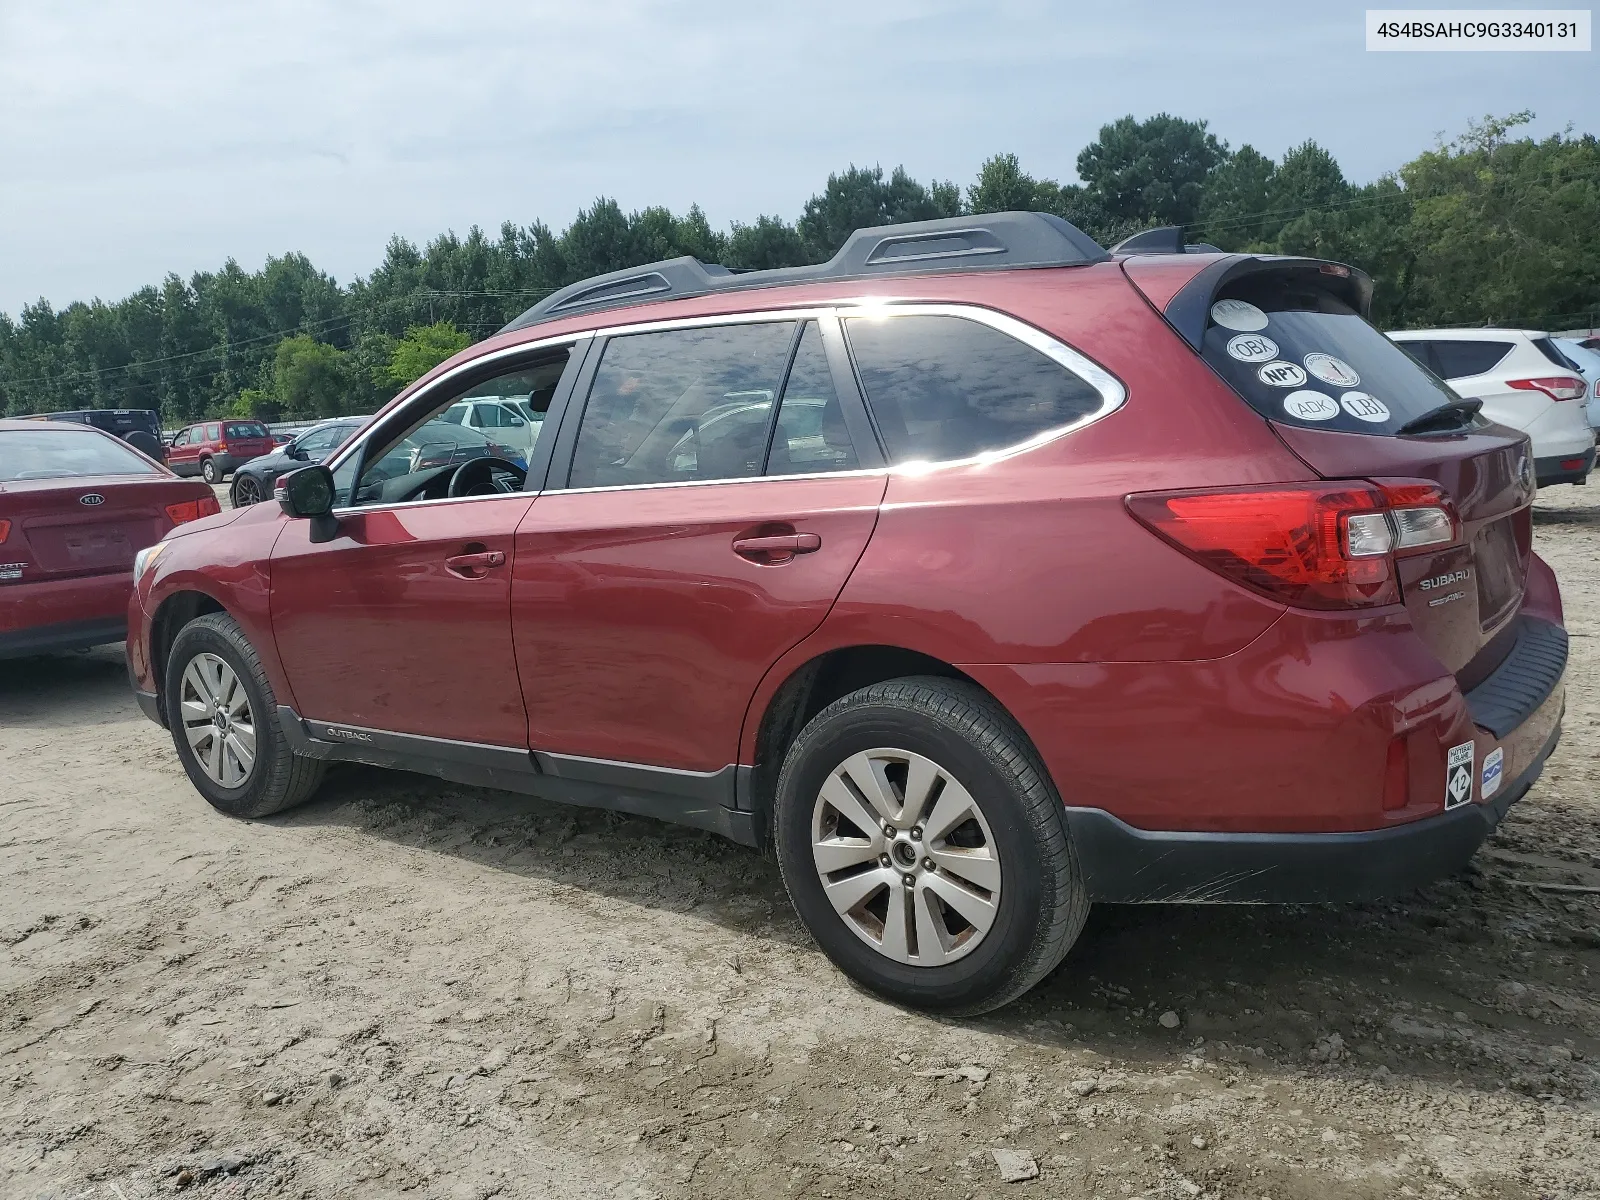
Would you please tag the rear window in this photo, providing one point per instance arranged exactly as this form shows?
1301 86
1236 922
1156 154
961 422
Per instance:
65 454
1299 354
1458 360
945 387
245 429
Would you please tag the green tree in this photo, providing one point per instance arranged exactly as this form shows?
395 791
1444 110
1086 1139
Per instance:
422 349
1237 196
770 242
1153 171
308 377
861 197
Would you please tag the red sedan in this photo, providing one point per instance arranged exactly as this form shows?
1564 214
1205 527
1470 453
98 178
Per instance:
76 505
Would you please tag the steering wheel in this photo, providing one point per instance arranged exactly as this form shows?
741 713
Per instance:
486 477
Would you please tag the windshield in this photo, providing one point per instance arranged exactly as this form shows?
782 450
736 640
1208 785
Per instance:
64 454
1298 353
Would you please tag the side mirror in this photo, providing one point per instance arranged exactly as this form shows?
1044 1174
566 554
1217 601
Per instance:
308 492
293 451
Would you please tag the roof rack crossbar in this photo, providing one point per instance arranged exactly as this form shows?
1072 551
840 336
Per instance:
989 242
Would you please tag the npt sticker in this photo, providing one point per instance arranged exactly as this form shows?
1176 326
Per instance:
1281 374
1492 764
1458 776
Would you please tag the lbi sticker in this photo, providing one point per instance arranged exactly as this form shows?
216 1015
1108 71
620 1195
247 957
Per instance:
1281 374
1368 408
1492 764
1310 406
1332 370
1252 348
1239 315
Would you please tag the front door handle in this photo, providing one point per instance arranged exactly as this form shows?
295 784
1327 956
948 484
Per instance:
774 549
474 566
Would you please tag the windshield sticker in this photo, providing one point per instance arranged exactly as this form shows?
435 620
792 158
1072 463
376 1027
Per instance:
1281 374
1310 406
1493 764
1252 348
1332 370
1458 776
1238 315
1368 408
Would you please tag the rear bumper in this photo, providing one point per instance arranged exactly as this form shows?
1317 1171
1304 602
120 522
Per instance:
63 635
1561 468
1125 865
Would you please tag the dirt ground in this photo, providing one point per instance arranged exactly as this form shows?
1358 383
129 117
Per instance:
411 988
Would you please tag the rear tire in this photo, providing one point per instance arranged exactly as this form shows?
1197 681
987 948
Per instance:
240 762
246 491
208 470
944 751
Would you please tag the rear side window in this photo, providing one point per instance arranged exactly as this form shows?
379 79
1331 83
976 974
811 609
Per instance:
246 429
810 435
1297 353
945 387
682 405
65 454
1458 360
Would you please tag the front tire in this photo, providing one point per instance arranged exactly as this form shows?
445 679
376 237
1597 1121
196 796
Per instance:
246 491
924 847
224 722
208 470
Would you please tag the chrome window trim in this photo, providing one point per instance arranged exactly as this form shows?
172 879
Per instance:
1113 395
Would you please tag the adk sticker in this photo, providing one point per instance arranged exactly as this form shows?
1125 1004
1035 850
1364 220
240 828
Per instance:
1240 315
1281 374
1311 406
1368 408
1458 776
1252 348
1492 764
1332 370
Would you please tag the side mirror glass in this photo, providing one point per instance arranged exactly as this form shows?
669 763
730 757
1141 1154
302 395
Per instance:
309 492
293 450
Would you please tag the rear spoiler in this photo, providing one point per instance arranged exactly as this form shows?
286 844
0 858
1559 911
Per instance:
1189 306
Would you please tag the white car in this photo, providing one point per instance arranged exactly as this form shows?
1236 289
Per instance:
508 420
1524 381
1588 363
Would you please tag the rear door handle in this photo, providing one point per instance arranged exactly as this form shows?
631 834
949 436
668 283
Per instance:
473 566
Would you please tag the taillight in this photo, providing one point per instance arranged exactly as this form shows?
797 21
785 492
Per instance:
1323 545
1557 387
5 530
193 510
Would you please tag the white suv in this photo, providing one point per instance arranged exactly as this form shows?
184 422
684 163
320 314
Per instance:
512 419
1524 381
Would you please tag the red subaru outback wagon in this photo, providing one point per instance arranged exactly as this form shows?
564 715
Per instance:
981 572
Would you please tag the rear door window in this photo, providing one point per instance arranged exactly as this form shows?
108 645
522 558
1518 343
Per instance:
947 387
246 429
1298 353
1460 360
681 405
810 435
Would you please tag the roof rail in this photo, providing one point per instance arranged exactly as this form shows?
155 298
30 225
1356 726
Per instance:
990 242
1164 239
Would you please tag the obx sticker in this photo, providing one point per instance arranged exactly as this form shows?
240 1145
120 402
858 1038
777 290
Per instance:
1458 776
1252 348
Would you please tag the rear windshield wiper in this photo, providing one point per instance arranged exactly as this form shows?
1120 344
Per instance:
1447 416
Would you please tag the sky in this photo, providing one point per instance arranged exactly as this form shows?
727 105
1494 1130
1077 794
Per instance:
138 140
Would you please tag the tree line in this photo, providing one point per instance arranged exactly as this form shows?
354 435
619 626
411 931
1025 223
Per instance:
1494 227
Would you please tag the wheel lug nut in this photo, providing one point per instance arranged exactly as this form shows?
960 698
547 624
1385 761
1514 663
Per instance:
909 880
888 829
928 864
916 833
884 859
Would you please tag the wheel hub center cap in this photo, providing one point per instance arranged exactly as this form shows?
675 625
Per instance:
904 852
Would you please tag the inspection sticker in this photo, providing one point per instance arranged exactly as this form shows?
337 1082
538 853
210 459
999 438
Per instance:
1458 776
1310 406
1252 347
1238 314
1492 764
1332 370
1281 374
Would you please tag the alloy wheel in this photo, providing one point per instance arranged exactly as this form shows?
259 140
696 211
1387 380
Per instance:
245 491
906 857
215 713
